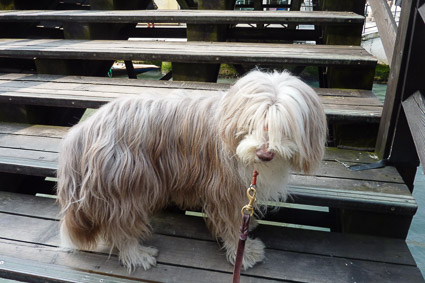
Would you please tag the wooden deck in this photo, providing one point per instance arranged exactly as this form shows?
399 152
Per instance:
29 244
368 212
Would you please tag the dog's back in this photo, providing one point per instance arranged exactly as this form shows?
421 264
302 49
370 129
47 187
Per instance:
121 162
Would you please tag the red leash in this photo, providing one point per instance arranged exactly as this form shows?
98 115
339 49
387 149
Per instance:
247 211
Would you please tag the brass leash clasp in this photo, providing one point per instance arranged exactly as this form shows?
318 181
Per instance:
251 193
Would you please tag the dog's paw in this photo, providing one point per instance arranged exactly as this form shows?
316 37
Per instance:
253 253
139 256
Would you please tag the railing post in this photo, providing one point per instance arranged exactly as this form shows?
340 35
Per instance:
386 24
406 77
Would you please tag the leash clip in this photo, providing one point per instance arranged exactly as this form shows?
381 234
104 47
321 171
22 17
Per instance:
251 193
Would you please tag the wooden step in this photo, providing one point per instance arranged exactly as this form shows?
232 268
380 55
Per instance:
193 52
187 252
355 106
33 150
184 16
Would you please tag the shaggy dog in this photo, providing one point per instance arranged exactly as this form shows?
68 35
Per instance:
137 155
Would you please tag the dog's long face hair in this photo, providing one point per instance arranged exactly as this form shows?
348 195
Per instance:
138 154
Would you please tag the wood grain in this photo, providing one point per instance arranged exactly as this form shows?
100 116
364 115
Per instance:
387 26
340 105
194 52
414 107
38 235
32 150
184 16
192 227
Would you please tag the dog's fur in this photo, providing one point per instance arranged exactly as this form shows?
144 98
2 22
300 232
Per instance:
138 154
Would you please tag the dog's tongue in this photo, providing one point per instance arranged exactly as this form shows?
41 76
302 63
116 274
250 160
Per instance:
264 155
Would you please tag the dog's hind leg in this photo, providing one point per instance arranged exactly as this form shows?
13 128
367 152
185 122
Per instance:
132 254
125 232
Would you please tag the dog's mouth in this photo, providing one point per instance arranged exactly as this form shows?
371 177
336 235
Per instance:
264 154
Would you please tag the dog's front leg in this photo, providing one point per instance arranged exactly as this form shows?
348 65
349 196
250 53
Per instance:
226 226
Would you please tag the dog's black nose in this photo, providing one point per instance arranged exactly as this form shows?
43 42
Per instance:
265 155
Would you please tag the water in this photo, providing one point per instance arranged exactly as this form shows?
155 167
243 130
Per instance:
379 90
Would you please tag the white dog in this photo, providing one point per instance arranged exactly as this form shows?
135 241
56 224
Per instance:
138 154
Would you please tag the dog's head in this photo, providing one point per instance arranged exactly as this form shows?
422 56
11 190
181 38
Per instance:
268 116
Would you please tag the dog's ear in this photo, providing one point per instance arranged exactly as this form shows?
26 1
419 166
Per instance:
228 124
311 150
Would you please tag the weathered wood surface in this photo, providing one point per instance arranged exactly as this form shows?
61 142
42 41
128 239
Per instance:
32 150
194 52
187 252
169 224
81 92
406 67
386 24
421 11
184 16
414 107
395 140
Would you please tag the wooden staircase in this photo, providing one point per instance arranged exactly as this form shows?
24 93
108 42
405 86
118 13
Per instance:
368 213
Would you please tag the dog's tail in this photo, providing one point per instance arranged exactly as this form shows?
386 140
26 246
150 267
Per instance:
77 232
78 228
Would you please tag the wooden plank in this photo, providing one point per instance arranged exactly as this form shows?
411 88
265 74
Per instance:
84 81
333 185
340 105
24 80
43 156
32 271
344 155
336 191
29 205
93 267
331 154
194 52
47 139
343 110
33 130
288 239
386 24
381 179
337 169
26 165
62 90
345 269
361 200
347 186
184 16
206 255
414 107
29 142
